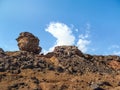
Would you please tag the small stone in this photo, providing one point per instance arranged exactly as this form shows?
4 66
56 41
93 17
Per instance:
105 84
98 88
35 80
60 69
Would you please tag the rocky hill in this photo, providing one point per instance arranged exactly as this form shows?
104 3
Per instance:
66 68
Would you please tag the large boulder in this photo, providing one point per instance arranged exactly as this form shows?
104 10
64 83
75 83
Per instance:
28 42
67 51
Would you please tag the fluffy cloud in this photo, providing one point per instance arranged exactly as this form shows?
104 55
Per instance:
82 45
62 33
114 49
64 36
83 42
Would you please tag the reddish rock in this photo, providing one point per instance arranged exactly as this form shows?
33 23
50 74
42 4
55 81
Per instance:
115 64
49 55
28 42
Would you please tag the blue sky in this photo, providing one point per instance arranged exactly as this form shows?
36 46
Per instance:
92 25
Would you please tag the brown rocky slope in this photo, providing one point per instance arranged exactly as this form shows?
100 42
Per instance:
66 68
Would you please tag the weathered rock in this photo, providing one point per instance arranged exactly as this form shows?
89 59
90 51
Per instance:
16 86
66 68
54 60
1 50
67 51
28 42
88 56
2 53
116 88
115 64
49 55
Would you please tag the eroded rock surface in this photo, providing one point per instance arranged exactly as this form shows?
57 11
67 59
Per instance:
28 42
66 68
67 51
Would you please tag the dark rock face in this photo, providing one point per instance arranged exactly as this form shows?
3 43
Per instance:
1 50
62 69
2 53
28 42
22 60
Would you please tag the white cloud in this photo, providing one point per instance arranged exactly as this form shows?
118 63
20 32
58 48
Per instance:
64 36
76 30
83 36
114 47
82 44
84 41
44 51
116 53
88 26
62 33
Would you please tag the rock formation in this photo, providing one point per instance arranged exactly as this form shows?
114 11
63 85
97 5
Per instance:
28 42
65 51
1 50
63 69
66 68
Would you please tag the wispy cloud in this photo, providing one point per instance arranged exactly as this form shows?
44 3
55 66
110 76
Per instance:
84 41
116 53
114 47
82 44
62 33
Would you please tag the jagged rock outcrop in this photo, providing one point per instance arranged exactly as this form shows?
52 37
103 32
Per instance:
66 68
67 51
22 70
28 42
2 52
